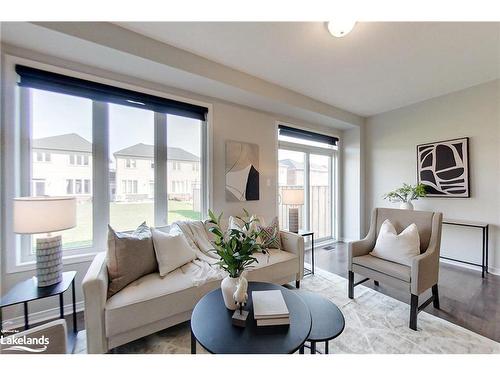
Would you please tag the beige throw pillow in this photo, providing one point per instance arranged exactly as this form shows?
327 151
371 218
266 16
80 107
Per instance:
130 256
172 251
399 248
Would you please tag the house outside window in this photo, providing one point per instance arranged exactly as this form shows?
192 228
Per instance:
42 157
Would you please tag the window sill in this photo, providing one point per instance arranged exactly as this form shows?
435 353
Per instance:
70 259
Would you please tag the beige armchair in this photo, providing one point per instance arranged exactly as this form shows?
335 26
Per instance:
424 271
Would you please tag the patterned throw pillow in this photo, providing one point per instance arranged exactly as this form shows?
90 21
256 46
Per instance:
271 234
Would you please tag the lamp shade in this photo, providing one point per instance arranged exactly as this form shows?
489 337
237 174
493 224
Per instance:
44 214
293 196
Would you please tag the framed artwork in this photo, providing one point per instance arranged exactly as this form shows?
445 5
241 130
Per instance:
242 171
444 168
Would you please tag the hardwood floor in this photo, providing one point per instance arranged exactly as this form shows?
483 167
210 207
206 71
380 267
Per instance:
466 299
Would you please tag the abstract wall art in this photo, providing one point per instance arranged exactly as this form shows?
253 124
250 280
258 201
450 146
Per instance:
242 171
444 168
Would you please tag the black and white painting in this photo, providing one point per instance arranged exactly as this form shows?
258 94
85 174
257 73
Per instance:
444 168
242 171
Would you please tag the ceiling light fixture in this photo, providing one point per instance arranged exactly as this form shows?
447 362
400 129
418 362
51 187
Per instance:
340 28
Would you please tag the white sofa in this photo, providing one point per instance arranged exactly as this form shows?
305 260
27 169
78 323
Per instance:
151 303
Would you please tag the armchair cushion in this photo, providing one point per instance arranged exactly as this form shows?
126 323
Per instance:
400 248
386 267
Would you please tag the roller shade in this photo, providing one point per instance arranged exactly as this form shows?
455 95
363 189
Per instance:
288 131
50 81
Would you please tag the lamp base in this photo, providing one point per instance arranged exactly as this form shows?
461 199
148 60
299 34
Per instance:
293 220
49 264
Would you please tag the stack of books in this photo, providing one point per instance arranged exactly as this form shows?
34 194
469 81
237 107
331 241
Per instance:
269 308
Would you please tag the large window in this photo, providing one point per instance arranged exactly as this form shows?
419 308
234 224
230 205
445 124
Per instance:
307 165
131 152
61 128
126 156
184 140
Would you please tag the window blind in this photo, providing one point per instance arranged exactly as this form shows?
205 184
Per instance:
288 131
50 81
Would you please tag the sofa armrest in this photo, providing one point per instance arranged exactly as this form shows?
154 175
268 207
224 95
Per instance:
294 243
425 267
95 292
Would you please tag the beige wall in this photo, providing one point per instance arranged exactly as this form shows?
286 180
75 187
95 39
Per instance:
391 140
236 123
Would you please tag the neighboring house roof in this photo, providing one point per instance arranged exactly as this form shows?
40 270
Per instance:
73 142
65 142
147 151
297 165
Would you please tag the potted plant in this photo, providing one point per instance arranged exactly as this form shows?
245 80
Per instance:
406 194
236 249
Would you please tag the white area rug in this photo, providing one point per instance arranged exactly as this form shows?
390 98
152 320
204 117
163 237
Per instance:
375 323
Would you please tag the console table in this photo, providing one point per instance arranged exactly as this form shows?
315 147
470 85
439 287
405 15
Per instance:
485 230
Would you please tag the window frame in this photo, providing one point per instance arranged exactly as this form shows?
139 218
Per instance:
333 153
17 163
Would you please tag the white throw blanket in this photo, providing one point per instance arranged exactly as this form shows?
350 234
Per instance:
205 269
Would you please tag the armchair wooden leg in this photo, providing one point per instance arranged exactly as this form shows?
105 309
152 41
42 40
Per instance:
351 285
435 295
297 284
413 311
376 282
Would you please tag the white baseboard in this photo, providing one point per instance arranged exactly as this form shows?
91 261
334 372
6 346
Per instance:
40 316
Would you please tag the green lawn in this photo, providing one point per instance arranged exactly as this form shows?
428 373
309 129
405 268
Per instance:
123 216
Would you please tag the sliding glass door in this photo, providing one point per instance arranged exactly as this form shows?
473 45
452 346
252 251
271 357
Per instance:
292 179
320 195
310 173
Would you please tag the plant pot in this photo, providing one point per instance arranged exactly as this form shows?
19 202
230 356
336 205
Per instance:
228 286
406 206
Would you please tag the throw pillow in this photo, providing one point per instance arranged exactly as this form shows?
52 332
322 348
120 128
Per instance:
130 256
271 234
235 223
172 251
399 248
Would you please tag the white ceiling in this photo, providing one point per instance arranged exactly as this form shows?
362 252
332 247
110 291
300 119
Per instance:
376 68
105 61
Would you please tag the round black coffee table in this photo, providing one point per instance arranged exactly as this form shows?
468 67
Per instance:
327 319
211 326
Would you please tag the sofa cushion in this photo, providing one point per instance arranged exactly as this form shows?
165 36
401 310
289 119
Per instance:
386 267
152 298
130 256
172 251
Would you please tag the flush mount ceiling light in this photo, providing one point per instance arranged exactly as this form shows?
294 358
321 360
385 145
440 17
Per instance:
340 28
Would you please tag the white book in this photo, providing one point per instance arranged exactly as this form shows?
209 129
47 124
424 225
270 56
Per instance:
273 322
269 304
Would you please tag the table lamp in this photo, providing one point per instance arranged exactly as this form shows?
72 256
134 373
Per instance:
33 215
293 197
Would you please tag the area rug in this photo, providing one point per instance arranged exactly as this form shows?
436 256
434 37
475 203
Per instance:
375 323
